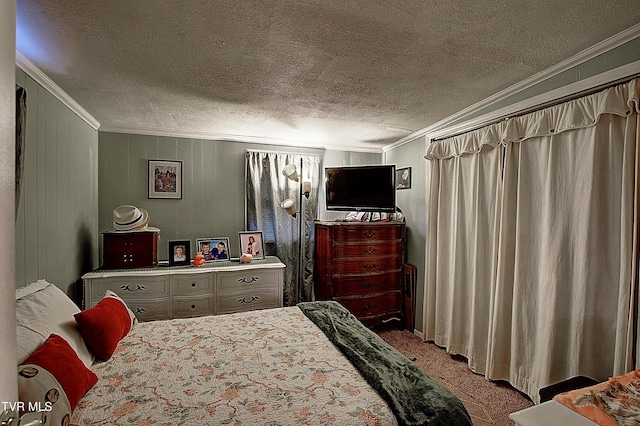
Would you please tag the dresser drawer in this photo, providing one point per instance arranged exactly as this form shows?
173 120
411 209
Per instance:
131 288
392 248
369 233
150 310
371 265
369 284
380 305
192 307
192 285
239 281
248 300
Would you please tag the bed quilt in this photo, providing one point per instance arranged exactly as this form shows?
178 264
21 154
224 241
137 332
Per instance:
271 367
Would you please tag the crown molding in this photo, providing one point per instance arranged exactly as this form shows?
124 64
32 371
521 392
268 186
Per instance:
604 46
42 79
233 138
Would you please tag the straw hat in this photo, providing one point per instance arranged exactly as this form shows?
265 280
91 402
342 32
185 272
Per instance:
130 218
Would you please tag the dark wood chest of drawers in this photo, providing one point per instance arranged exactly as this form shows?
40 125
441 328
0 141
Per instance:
359 264
125 250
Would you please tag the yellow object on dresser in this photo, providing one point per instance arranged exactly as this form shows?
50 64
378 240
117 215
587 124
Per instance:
182 292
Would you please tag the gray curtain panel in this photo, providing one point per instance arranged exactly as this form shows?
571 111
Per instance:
21 122
266 188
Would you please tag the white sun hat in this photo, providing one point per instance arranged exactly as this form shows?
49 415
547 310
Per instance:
130 218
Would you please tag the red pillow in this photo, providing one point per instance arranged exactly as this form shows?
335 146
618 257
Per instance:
103 326
61 361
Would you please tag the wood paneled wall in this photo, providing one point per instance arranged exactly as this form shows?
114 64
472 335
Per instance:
57 223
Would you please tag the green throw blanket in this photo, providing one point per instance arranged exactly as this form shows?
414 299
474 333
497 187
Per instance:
414 397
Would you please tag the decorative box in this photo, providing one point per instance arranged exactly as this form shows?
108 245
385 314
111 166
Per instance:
125 250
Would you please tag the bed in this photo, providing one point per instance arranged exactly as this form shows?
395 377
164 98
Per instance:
308 364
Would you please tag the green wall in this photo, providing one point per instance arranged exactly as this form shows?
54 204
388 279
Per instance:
413 204
213 183
57 222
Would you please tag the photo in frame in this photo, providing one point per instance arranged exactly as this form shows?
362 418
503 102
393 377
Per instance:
179 252
251 243
213 249
403 178
165 179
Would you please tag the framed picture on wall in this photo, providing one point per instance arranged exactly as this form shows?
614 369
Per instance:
165 179
251 243
403 178
179 252
213 249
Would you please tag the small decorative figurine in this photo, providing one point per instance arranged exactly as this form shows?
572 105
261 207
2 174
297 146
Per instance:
199 260
246 258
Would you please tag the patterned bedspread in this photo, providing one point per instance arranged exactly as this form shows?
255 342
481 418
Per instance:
271 367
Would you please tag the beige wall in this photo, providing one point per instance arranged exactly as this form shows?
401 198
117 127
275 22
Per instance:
56 227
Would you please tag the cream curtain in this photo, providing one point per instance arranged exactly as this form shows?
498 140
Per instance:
555 272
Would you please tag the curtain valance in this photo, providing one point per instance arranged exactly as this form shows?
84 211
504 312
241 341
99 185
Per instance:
579 113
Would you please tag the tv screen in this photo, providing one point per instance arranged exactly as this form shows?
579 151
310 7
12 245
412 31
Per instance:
361 188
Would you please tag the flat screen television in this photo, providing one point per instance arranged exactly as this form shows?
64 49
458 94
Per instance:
361 188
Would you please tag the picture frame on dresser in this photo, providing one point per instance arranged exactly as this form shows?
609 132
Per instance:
251 243
165 179
179 252
213 249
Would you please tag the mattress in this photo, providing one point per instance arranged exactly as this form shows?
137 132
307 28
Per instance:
261 367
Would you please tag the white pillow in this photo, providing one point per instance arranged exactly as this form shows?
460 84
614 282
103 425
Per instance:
43 309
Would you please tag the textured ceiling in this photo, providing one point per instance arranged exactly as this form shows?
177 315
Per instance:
341 74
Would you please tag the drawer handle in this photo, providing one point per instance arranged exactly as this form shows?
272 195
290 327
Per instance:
138 288
368 307
193 284
369 234
370 266
244 299
370 250
193 306
369 285
244 280
140 310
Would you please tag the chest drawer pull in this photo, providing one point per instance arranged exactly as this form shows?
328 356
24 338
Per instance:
244 299
369 284
193 284
370 250
140 310
369 234
244 280
370 266
138 288
369 307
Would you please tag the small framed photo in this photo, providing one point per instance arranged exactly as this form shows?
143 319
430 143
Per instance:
165 179
251 243
179 252
213 249
403 178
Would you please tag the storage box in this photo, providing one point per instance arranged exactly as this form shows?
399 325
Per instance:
126 250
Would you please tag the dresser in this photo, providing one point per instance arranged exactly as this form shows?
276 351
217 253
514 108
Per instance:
165 292
359 264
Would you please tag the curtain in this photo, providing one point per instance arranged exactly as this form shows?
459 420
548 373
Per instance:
558 280
266 188
460 259
21 121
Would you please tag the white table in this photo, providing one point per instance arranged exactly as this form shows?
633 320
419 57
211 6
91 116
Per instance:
550 413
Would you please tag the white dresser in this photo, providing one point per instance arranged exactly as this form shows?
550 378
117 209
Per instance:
165 292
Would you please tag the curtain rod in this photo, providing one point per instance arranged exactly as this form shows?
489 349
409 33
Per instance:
558 101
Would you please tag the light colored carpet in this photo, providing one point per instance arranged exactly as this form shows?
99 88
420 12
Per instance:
488 403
